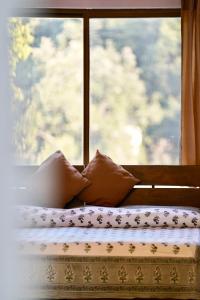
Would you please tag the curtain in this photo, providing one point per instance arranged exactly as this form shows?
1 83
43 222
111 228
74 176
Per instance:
190 120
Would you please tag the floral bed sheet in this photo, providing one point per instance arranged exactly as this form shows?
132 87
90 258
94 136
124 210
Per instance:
151 242
66 261
104 217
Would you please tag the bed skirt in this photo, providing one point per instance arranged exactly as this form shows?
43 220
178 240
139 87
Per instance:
70 277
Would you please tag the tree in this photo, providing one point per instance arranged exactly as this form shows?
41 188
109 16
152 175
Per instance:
135 90
118 103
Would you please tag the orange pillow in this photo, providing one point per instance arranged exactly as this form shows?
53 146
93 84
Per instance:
56 182
110 182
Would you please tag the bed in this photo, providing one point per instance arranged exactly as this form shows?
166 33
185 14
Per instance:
67 255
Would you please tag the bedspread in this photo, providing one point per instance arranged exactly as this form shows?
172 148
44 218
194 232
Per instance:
66 263
104 217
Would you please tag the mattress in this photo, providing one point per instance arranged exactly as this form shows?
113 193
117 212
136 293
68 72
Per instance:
77 241
79 262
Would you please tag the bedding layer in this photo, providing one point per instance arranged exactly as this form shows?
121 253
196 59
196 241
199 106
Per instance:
64 263
103 217
161 242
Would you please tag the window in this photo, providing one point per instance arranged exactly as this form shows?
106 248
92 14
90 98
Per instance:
47 81
135 89
87 82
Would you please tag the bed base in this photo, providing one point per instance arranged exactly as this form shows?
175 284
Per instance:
160 185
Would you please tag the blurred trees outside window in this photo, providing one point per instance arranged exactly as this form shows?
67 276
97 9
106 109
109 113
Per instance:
135 70
47 85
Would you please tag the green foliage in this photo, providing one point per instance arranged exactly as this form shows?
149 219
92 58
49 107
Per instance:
21 39
155 47
135 88
118 102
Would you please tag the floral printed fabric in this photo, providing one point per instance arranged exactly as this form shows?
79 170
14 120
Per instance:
112 242
103 217
90 277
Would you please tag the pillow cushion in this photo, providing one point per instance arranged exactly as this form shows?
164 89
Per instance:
56 182
110 182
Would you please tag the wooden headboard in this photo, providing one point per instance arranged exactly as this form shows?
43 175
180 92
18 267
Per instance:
160 185
166 185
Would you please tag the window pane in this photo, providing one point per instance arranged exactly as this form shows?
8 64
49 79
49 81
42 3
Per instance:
46 71
135 89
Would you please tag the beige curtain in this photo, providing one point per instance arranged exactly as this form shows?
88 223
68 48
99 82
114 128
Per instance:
190 137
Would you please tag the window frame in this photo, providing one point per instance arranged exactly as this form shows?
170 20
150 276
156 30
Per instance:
86 15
